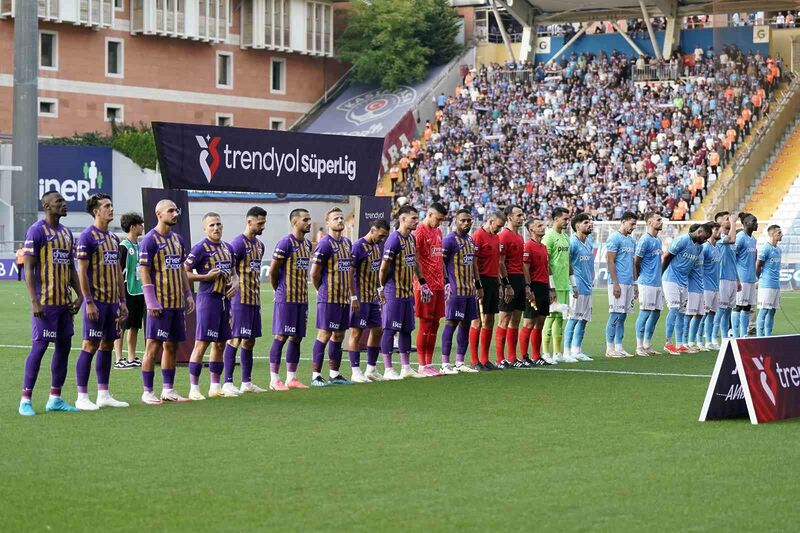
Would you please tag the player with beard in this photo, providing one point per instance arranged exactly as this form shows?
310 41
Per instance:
647 273
428 239
746 252
536 267
581 261
511 251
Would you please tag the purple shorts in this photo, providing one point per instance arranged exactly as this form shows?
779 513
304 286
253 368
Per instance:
398 314
106 327
290 319
246 321
461 308
333 317
56 323
367 317
170 326
213 318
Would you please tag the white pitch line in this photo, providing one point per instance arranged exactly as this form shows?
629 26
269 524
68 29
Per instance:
587 370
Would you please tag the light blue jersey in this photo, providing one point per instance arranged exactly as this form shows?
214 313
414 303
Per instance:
712 256
727 265
745 249
696 273
770 256
581 257
624 247
649 249
686 253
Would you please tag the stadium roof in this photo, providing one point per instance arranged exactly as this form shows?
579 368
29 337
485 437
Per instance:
591 10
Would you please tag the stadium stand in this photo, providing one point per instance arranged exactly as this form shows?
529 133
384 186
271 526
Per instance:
581 133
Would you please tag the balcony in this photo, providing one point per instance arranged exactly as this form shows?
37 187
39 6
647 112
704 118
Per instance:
199 20
302 26
91 13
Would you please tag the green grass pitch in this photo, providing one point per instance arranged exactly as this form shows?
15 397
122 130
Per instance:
505 451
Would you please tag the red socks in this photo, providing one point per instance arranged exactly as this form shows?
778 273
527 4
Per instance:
536 344
500 344
474 335
426 340
486 340
524 341
511 341
432 332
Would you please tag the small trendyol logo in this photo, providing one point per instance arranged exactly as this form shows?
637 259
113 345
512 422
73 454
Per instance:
209 146
759 363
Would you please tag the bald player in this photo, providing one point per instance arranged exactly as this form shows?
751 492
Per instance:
49 275
168 297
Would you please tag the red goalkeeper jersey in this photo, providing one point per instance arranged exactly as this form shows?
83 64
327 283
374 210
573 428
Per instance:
429 256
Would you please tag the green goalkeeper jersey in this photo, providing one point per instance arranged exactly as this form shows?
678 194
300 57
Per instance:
558 253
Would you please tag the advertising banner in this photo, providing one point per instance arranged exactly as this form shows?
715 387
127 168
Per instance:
213 158
373 208
763 373
401 135
77 172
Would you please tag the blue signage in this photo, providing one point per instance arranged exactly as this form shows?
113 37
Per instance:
77 172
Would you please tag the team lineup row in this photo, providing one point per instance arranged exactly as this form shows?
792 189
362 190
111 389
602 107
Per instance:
374 287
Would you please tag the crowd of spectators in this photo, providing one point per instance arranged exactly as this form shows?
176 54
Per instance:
581 134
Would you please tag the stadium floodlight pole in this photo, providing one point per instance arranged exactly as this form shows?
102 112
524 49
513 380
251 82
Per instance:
25 131
503 32
650 31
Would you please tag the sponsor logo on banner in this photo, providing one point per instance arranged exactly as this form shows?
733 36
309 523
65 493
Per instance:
764 371
375 104
75 172
543 45
206 158
760 34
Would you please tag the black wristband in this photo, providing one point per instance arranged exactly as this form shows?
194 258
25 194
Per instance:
530 285
422 281
478 284
505 281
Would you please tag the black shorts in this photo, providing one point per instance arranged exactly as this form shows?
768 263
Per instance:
490 304
136 311
541 294
518 302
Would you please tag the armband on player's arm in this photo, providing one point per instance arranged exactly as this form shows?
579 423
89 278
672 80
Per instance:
572 280
552 282
150 300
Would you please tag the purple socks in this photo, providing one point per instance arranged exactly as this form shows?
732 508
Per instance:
334 355
318 355
246 357
462 341
168 377
147 380
293 356
229 360
102 367
275 355
372 355
194 372
32 365
447 342
58 366
404 346
355 358
215 369
82 369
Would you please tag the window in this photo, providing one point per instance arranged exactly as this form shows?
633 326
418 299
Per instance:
278 124
224 119
114 58
48 107
114 113
119 5
48 50
278 83
224 70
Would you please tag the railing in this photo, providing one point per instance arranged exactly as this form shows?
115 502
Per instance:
659 72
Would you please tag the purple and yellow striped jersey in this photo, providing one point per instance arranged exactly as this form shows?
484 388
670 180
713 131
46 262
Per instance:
336 259
293 284
164 255
101 249
367 264
53 249
459 255
207 255
247 255
401 253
